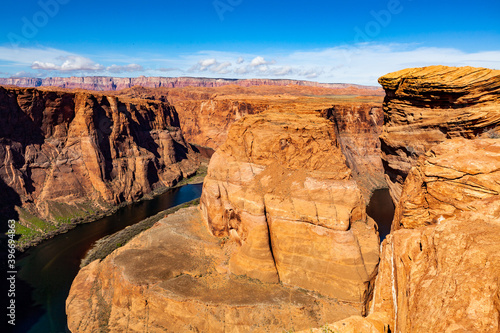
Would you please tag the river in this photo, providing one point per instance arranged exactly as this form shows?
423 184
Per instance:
381 209
46 271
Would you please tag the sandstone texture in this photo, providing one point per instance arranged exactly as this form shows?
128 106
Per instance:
281 189
206 114
358 127
439 271
65 155
448 180
174 278
425 106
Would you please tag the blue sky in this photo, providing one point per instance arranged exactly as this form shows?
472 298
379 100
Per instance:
327 41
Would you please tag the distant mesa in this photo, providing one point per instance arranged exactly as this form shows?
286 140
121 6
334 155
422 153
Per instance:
106 83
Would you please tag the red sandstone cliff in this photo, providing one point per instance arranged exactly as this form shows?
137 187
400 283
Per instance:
67 155
206 114
439 267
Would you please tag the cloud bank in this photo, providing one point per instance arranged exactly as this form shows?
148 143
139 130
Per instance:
361 63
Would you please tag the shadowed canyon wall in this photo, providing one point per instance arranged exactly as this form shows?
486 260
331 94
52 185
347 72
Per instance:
67 155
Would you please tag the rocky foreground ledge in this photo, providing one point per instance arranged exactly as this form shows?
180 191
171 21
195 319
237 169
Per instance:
174 278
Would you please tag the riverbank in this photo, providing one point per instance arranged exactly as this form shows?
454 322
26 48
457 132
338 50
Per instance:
23 244
104 246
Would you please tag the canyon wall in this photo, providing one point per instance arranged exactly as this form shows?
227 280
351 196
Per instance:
280 242
439 271
206 115
280 188
358 127
439 267
425 106
67 155
106 83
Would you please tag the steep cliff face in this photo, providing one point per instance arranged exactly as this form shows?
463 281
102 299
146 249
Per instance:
66 155
206 115
358 127
439 271
425 106
106 83
281 189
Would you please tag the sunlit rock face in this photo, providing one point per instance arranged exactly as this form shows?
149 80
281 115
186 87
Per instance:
281 188
425 106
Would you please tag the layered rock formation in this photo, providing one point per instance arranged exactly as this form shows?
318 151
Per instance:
439 272
281 189
450 178
100 83
65 155
173 278
206 115
358 127
425 106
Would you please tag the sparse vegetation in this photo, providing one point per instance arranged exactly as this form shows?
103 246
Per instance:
104 246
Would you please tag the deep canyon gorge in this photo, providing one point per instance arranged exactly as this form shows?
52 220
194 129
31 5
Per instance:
281 240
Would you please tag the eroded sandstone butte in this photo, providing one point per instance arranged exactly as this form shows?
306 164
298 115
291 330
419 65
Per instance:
173 278
66 155
280 188
425 106
206 114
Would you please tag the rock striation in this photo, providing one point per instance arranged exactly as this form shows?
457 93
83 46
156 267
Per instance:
358 127
439 271
66 155
425 106
280 188
173 278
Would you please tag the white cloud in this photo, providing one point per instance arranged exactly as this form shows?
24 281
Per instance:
259 61
212 65
69 63
206 63
361 63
